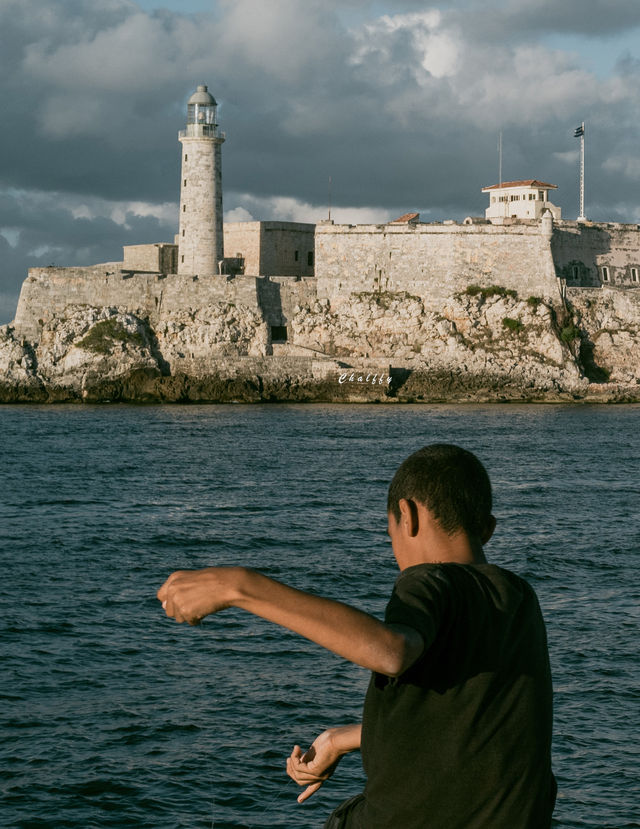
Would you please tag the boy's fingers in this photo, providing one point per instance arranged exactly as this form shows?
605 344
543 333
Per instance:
309 791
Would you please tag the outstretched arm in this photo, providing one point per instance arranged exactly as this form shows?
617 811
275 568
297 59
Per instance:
312 767
190 595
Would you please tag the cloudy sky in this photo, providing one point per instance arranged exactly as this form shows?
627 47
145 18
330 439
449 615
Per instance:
400 102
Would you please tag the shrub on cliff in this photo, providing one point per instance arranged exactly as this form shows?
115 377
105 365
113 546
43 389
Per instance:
569 333
384 299
492 290
513 325
101 337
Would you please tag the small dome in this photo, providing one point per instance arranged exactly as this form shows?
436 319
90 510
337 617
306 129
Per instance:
202 97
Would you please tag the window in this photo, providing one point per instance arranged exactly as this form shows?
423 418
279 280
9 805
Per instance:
278 333
605 273
575 271
184 208
634 275
186 156
184 183
295 255
532 196
182 258
310 259
183 231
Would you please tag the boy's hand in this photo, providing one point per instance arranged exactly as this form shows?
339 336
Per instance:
190 595
312 767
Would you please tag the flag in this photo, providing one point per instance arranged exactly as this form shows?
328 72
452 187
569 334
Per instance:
579 131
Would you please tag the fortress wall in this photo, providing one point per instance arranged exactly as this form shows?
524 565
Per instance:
48 291
299 292
616 300
433 261
231 366
180 292
269 248
160 258
580 249
281 243
243 238
279 295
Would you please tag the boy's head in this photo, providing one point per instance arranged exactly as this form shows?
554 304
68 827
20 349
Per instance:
450 482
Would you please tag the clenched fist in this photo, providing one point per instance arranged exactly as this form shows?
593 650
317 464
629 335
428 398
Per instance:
190 595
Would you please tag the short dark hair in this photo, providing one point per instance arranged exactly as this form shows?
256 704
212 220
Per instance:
451 483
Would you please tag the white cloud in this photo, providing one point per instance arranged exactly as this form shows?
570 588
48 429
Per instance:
94 207
238 214
436 49
11 235
288 209
167 212
415 44
569 157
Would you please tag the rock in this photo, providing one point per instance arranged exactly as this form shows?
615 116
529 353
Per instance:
189 339
91 348
18 379
609 320
477 348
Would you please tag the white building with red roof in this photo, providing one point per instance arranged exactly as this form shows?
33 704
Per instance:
527 199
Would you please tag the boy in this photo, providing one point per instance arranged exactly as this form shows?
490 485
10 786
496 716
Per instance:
456 730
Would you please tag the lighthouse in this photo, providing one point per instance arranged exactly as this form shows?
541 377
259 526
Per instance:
200 245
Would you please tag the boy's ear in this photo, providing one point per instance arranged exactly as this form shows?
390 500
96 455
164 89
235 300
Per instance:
409 515
491 525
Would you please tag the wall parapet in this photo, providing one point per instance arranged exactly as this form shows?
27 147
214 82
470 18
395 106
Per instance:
434 261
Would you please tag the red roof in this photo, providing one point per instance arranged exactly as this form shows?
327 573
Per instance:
530 182
406 218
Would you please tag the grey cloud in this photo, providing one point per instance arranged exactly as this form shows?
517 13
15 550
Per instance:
520 21
403 112
588 17
46 232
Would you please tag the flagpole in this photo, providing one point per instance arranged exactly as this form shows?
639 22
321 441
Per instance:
580 131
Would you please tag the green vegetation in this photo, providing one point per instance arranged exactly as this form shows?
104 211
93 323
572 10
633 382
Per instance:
569 333
492 290
534 301
385 298
101 337
512 325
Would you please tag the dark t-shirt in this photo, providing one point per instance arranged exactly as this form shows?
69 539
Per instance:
462 740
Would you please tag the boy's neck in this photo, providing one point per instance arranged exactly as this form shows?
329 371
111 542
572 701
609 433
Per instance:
455 549
418 538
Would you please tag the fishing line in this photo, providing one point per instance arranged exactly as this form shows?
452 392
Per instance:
282 789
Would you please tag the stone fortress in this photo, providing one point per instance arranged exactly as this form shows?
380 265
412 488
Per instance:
299 283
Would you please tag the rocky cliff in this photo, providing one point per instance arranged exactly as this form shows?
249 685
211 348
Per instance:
482 345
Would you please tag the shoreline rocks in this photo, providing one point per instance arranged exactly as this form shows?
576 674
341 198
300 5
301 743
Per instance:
482 346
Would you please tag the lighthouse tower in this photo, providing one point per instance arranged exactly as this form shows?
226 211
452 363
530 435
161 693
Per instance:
200 232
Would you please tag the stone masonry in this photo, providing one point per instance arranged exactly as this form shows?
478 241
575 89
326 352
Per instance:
434 261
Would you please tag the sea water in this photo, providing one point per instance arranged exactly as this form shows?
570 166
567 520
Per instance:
114 715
